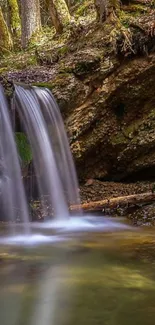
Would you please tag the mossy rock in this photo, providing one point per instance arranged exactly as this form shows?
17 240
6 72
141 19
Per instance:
48 85
23 147
83 63
86 67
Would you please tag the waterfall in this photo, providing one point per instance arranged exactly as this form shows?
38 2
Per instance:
12 196
52 158
54 168
60 144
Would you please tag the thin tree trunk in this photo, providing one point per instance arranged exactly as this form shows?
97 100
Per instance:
113 203
68 2
5 37
105 9
55 17
59 14
31 21
15 22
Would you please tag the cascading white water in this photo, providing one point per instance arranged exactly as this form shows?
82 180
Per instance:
12 195
45 162
54 168
59 143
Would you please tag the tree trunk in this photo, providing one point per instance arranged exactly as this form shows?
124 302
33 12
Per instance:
57 23
105 8
113 203
68 2
59 14
5 37
31 21
15 23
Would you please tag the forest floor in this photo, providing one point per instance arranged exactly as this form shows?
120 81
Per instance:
43 57
38 52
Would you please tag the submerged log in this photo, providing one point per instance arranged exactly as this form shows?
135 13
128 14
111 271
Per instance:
113 203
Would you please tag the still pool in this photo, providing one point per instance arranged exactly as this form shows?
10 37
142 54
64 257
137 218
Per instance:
101 278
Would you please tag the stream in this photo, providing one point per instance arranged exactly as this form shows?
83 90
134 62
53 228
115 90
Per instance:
95 278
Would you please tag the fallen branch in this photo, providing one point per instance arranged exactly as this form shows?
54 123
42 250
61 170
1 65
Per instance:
114 203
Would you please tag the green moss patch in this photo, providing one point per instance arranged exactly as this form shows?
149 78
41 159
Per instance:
23 147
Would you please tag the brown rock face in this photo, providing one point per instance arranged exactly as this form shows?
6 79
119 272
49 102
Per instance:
113 132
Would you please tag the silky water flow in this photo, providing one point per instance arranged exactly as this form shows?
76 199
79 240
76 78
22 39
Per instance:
54 167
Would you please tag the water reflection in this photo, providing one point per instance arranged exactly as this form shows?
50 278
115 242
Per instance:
102 279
